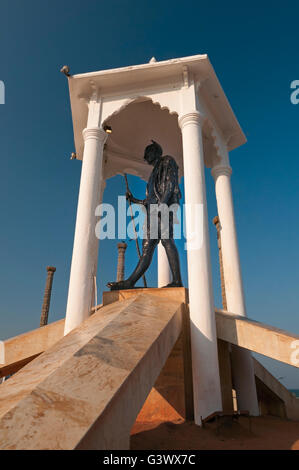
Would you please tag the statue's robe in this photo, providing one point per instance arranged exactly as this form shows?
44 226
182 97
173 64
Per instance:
163 186
163 177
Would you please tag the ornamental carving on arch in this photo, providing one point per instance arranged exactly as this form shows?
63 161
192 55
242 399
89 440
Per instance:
218 153
166 101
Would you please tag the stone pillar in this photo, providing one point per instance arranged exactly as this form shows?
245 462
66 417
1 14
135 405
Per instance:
206 381
242 364
121 261
223 295
224 353
85 249
164 272
47 296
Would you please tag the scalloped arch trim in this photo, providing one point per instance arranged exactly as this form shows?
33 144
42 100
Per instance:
120 105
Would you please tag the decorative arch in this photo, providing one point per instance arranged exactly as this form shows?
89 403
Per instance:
135 120
167 100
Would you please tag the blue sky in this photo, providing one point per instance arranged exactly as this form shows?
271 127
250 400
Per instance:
254 50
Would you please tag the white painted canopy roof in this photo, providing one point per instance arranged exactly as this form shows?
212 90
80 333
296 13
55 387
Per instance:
120 80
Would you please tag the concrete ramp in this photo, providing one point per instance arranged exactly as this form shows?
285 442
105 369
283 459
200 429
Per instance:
23 348
87 389
257 337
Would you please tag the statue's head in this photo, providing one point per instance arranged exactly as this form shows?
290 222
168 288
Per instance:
153 152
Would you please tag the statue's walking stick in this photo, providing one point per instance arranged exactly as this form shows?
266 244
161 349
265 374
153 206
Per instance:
134 227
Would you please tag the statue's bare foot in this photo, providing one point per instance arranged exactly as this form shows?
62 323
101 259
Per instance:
120 285
174 284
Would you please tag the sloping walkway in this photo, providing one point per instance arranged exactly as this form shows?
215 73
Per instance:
86 391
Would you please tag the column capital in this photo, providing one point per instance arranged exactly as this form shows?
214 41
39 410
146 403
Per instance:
194 117
221 170
94 133
51 269
122 246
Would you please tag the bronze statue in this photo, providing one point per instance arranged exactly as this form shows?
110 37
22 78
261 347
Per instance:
162 188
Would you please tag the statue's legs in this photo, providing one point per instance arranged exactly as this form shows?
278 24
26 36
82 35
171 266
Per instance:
174 262
166 236
148 248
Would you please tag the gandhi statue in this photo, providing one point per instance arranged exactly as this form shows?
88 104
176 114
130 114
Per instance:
162 188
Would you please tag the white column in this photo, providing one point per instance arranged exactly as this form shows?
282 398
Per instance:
164 272
85 249
206 381
242 364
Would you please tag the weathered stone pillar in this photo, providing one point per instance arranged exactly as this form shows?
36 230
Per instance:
216 222
223 346
47 296
121 261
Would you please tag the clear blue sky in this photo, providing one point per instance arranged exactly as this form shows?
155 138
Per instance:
254 49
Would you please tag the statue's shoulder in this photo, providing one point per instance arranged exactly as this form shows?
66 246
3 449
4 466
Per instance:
169 161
